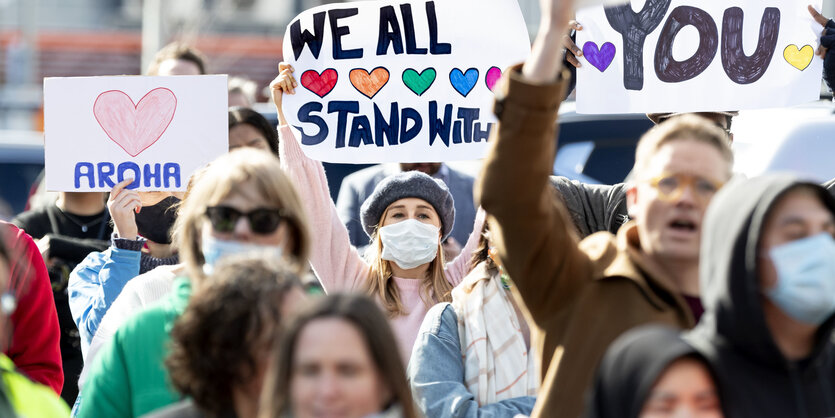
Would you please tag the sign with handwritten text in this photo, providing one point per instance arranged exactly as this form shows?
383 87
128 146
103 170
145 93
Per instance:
688 56
99 131
407 81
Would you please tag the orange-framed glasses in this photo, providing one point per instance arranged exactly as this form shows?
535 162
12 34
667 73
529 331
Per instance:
670 187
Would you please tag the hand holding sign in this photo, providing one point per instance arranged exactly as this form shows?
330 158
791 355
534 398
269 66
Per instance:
122 204
821 51
283 82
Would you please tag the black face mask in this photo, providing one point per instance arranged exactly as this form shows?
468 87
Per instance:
155 222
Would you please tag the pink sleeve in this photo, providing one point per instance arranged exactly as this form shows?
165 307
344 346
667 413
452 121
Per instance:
337 263
460 267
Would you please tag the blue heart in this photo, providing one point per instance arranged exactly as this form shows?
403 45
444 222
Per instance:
463 82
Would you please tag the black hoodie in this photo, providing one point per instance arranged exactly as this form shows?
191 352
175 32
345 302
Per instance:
754 378
631 367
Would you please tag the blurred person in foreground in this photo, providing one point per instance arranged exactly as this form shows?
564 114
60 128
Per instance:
581 296
338 357
19 396
652 372
35 346
768 283
243 202
66 231
221 343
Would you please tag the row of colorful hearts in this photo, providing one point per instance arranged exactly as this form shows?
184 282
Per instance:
370 83
600 58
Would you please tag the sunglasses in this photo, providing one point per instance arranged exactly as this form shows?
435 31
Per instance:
261 220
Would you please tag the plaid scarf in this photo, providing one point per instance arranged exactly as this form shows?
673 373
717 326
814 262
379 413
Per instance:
497 365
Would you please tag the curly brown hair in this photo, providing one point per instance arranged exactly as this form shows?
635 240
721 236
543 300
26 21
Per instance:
230 321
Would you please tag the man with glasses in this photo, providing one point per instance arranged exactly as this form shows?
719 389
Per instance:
602 207
580 296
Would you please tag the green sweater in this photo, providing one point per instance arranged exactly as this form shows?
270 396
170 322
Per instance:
128 378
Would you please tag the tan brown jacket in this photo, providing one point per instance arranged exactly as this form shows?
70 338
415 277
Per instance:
579 297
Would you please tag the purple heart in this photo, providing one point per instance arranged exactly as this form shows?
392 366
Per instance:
600 58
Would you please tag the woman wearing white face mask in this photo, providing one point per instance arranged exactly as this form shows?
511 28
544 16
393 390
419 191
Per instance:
408 215
767 269
243 202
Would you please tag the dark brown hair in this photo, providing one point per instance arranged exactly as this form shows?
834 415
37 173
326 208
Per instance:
231 319
245 115
368 319
178 51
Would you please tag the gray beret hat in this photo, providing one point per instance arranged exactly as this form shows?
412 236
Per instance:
408 184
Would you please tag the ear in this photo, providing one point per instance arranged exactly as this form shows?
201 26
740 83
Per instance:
632 200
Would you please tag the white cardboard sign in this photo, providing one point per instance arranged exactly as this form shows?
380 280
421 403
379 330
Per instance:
400 81
157 130
707 55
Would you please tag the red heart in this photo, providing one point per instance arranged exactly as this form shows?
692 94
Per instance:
322 84
135 127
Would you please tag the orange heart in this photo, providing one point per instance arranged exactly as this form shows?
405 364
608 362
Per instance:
369 83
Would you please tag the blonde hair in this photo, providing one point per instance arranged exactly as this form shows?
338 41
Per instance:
434 287
218 181
683 127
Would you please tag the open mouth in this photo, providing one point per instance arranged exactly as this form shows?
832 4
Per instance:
683 225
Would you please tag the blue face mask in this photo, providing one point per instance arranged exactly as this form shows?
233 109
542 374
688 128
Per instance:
805 288
215 250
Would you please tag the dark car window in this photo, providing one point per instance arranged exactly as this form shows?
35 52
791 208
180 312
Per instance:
614 144
17 181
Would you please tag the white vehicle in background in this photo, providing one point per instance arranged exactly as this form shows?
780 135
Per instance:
799 139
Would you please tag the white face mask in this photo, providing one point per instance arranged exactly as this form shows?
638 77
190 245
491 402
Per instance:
215 250
410 243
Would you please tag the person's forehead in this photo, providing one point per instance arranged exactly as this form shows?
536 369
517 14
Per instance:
175 66
317 339
800 207
689 155
410 203
245 129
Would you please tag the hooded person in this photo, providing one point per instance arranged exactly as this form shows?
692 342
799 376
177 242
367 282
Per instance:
768 284
651 371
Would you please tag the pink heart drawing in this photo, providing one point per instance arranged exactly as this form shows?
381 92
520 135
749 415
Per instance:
493 76
135 127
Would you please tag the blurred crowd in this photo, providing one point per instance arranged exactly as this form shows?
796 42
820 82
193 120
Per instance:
688 291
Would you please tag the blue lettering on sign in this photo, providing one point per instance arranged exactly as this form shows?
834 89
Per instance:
454 125
150 175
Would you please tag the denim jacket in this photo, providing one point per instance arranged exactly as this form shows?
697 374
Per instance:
95 284
436 373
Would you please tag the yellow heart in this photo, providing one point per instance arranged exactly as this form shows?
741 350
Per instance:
799 58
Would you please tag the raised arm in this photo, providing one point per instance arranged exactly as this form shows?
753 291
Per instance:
336 262
534 236
459 268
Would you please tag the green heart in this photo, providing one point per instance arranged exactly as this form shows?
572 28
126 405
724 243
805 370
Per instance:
419 83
